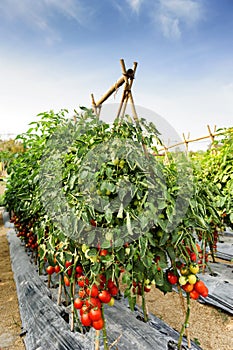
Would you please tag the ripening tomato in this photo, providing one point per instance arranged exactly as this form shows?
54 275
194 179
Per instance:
66 281
188 287
147 288
82 293
184 270
50 270
104 296
98 325
78 303
95 314
85 319
84 309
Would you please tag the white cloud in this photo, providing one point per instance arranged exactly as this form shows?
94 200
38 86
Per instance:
172 15
38 15
135 4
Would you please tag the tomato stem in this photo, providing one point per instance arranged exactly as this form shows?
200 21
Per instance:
144 303
105 339
185 324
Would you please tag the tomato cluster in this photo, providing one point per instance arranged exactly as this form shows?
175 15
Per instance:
25 232
187 279
91 298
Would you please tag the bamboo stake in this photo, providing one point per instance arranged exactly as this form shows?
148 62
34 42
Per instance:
197 139
115 341
125 96
97 340
186 142
59 290
210 134
72 289
130 86
113 88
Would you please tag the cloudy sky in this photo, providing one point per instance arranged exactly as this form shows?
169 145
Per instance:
55 53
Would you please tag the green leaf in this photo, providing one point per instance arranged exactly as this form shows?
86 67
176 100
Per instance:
143 243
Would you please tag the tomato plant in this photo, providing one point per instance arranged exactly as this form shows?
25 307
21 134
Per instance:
95 204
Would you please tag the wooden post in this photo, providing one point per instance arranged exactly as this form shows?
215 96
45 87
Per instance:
211 135
186 142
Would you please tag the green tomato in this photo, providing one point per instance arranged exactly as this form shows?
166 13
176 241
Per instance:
194 268
192 279
111 302
182 280
121 164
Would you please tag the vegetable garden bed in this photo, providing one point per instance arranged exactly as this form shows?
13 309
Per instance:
46 325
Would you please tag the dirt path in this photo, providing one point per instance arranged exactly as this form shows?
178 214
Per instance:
10 322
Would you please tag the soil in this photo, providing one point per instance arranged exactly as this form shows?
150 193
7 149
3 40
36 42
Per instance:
10 322
211 328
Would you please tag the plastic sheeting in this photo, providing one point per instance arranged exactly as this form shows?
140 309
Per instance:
44 323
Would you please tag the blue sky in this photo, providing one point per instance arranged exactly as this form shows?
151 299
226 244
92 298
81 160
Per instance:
55 53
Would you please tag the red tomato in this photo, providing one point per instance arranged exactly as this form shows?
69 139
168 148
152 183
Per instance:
113 291
102 278
82 293
79 269
205 292
84 309
194 294
83 281
95 314
98 325
104 296
68 264
78 303
200 287
193 256
57 269
172 278
50 270
93 223
93 291
147 288
110 284
103 252
93 302
85 319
